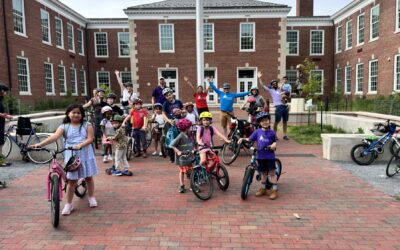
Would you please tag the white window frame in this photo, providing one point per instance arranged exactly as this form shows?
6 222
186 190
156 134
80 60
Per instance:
347 79
61 33
52 79
81 46
322 79
338 70
297 43
211 94
213 38
42 11
83 83
97 78
323 43
246 87
126 73
173 38
72 37
176 93
95 44
23 19
396 75
254 37
369 78
339 39
358 77
358 30
397 28
371 39
292 71
73 83
65 80
119 45
349 34
28 78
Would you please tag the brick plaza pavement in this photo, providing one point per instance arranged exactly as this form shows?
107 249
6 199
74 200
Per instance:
337 210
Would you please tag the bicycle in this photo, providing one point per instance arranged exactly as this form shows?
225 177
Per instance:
367 151
250 170
393 166
33 138
131 149
201 176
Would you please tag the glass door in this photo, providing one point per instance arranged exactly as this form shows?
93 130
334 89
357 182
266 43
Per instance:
212 96
171 79
246 79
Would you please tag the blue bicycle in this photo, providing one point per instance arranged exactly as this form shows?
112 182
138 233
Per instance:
366 152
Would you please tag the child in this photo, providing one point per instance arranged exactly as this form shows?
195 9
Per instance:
204 135
79 135
111 97
286 89
157 118
138 118
107 130
191 114
266 144
121 142
181 144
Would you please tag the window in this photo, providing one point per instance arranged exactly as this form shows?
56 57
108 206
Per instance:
81 48
347 77
100 40
208 37
166 38
292 76
398 15
48 78
317 75
171 79
126 77
61 79
123 44
292 40
359 77
338 81
397 73
361 29
82 80
73 81
23 75
19 16
103 78
349 34
374 27
317 42
339 31
45 23
373 76
247 37
59 33
70 30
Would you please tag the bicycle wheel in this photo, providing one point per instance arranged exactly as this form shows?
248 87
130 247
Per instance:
357 154
149 138
222 177
247 180
201 183
55 199
393 167
230 151
129 149
394 145
163 147
278 168
81 188
41 157
7 147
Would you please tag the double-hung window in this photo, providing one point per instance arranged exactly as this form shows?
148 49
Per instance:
126 77
45 24
208 37
103 79
74 89
81 45
339 34
373 76
292 40
347 77
23 75
70 32
123 44
19 17
360 29
82 81
62 80
247 37
59 33
101 43
317 42
166 33
359 78
49 78
317 76
338 79
349 34
397 15
397 73
374 25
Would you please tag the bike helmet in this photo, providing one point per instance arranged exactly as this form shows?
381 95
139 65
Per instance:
251 100
183 124
159 105
205 114
274 82
73 164
226 86
262 115
166 91
188 104
137 101
117 118
106 109
112 95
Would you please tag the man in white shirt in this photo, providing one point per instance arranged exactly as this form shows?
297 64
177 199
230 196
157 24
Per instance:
128 96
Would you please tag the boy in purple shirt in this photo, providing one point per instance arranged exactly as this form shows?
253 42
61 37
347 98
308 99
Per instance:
266 144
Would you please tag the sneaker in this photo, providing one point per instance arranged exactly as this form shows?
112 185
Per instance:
105 159
144 155
160 154
127 172
92 202
154 153
67 209
110 158
116 173
182 189
286 138
261 192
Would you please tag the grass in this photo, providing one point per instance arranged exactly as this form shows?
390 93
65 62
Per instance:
311 134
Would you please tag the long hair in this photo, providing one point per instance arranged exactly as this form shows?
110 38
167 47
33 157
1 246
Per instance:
72 107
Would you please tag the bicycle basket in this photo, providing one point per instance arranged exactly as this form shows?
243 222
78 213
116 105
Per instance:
24 126
73 164
380 129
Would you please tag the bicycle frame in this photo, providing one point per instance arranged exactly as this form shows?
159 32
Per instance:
21 145
56 169
378 145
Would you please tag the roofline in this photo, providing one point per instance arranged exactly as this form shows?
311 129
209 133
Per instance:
350 9
294 21
207 8
65 11
108 23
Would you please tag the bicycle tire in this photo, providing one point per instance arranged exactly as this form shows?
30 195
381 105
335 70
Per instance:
393 147
230 151
7 147
55 199
129 149
81 188
200 180
356 155
222 180
393 166
278 168
41 157
247 180
149 139
164 151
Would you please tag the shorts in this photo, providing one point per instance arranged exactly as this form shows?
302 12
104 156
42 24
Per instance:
266 165
201 110
281 113
157 134
184 169
225 118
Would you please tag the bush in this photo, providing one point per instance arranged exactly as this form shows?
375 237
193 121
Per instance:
311 134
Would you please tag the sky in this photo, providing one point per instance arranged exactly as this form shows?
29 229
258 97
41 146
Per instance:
114 8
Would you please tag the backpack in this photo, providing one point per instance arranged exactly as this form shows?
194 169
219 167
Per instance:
24 126
172 133
202 131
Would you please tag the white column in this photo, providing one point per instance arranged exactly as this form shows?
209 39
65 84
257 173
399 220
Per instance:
199 41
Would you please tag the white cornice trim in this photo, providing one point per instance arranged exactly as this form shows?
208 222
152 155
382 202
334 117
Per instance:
65 11
108 24
350 9
309 21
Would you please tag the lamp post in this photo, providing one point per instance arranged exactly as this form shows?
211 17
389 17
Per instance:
199 41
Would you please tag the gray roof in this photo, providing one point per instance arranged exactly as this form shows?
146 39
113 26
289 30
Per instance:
208 4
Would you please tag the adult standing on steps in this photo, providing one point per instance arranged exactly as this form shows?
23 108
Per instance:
3 116
157 95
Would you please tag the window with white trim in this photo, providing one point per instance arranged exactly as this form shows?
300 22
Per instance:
166 33
123 44
19 16
292 40
292 76
247 37
360 29
74 89
347 78
23 75
82 81
101 43
397 73
349 34
59 33
70 32
339 34
374 26
359 77
45 24
208 37
49 78
81 45
103 78
397 15
338 79
317 75
61 79
126 77
317 42
373 76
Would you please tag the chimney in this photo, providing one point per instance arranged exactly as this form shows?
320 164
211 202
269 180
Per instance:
305 8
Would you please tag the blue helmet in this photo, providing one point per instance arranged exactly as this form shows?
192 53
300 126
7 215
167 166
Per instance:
262 115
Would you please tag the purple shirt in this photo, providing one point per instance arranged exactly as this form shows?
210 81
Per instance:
158 96
264 138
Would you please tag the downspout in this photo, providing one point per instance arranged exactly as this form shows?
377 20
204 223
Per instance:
87 59
7 48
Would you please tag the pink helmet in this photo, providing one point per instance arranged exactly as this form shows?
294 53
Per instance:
73 164
183 124
251 100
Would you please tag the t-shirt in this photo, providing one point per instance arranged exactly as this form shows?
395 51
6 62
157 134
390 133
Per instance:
183 143
120 140
126 96
275 94
117 110
264 138
227 98
287 88
169 106
159 119
97 104
137 118
108 127
206 139
201 100
158 96
192 117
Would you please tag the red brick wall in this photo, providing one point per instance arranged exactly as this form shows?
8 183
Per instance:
3 52
304 7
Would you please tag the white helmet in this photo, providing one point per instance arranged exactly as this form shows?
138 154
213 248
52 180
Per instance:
105 109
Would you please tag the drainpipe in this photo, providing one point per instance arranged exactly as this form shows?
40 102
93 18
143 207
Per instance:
7 48
87 59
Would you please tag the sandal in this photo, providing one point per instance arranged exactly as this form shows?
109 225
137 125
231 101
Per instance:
5 164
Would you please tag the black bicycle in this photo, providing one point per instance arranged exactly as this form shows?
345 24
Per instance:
393 166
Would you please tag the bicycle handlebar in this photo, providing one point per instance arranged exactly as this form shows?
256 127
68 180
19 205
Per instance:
55 152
